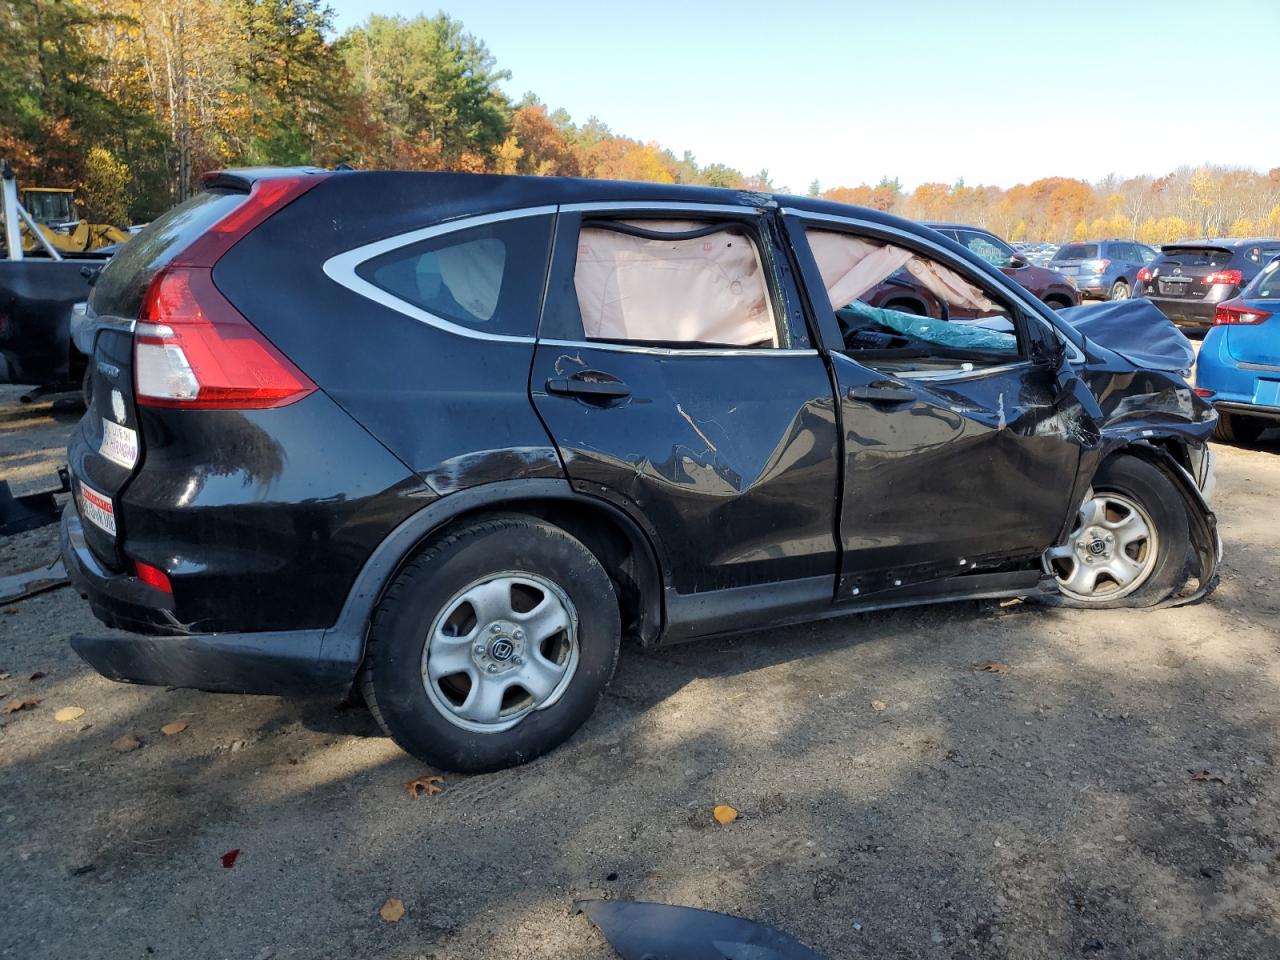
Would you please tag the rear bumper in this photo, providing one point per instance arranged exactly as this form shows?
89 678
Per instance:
1247 409
273 662
1194 314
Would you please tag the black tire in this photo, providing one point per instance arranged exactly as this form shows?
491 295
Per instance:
86 386
1119 291
1055 303
1149 487
391 678
1234 428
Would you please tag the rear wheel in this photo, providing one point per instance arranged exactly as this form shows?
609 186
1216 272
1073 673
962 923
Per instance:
1119 291
492 646
1130 542
1233 428
1056 303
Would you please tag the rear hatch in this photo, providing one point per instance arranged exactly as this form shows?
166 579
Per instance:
1188 272
155 304
1070 258
1253 328
110 450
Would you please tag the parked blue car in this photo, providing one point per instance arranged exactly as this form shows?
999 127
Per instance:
1106 269
1239 365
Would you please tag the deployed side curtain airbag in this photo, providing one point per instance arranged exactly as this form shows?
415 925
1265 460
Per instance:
473 273
851 266
705 288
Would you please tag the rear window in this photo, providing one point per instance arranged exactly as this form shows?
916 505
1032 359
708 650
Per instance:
1077 251
1266 285
1195 256
123 283
487 278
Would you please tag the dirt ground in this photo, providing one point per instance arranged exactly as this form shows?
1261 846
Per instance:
1113 794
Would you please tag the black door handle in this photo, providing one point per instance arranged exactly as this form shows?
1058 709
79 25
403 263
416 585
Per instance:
594 389
873 393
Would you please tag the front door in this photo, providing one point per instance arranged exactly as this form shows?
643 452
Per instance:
961 452
674 372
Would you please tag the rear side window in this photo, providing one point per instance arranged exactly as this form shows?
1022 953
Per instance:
488 278
1263 253
123 282
1077 251
995 252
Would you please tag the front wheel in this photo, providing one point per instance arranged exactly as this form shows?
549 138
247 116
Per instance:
1130 542
492 646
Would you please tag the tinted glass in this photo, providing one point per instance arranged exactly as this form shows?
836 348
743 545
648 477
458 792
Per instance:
991 249
1077 251
1263 252
488 278
1266 285
1193 256
123 281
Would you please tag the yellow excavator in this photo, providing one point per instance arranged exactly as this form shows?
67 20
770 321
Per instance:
56 216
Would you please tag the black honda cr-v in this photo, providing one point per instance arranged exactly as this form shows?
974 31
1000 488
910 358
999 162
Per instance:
450 437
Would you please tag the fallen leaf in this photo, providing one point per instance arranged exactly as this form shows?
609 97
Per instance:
1204 776
229 858
27 703
173 729
392 910
724 813
125 744
991 666
424 786
38 675
879 706
67 714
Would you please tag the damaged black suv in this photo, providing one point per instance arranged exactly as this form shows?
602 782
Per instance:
447 438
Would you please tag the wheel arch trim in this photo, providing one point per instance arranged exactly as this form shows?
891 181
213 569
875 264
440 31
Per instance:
346 639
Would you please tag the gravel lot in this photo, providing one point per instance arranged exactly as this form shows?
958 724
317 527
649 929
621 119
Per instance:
1113 794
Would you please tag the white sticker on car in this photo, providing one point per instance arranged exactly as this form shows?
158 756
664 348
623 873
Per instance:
97 509
119 444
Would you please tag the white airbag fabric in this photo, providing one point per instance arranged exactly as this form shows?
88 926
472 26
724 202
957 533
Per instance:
851 266
709 289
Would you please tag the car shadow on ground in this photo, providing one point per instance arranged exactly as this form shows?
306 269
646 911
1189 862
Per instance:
894 802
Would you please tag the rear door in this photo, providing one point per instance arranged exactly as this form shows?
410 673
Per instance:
961 453
675 374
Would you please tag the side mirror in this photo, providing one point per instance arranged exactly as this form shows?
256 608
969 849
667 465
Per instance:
1017 261
1048 351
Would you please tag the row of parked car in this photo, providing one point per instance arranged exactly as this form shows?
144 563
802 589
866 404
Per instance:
1227 290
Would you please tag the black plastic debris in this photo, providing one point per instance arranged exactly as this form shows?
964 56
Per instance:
19 586
659 931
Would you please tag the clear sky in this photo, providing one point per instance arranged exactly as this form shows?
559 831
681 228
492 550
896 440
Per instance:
925 90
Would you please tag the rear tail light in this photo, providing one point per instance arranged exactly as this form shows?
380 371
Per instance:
1097 266
1231 277
1144 275
1202 392
153 576
192 348
1238 315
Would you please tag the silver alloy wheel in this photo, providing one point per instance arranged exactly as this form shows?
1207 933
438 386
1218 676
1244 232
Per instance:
1110 553
1119 290
500 649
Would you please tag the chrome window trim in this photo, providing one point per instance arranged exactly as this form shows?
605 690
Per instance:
341 269
659 206
1015 291
681 351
